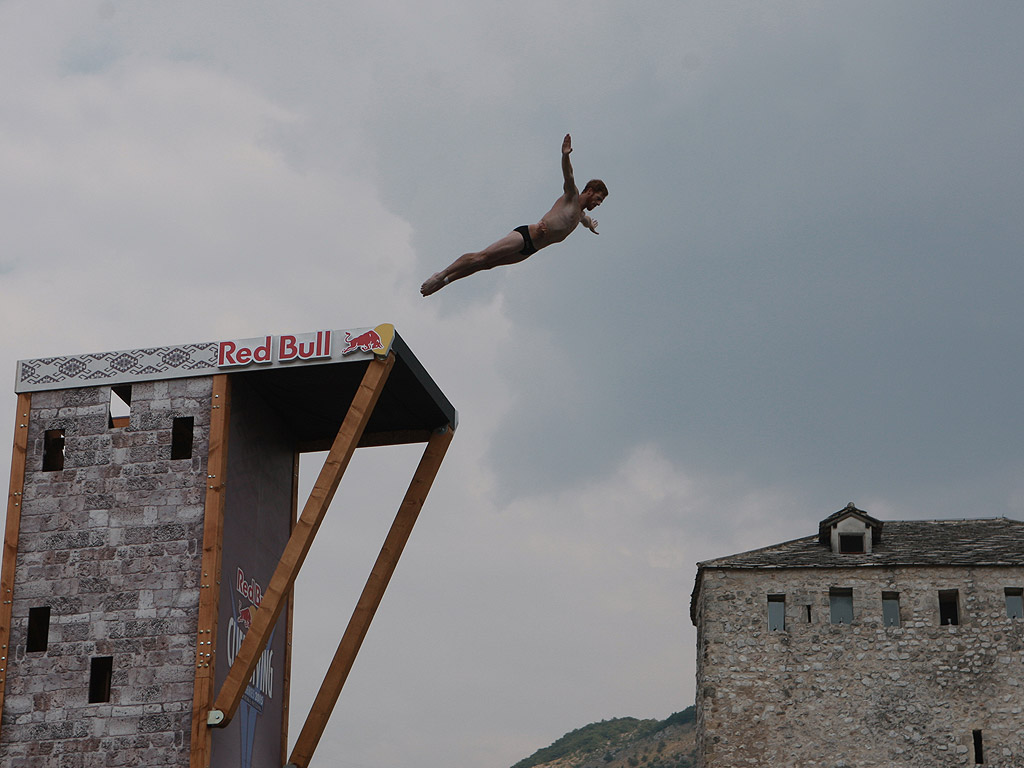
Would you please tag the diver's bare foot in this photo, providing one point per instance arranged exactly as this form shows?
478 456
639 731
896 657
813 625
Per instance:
432 284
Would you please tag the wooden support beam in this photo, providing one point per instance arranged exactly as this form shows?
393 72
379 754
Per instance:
301 539
369 600
13 528
209 584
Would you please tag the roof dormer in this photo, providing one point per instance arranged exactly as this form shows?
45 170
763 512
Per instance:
850 531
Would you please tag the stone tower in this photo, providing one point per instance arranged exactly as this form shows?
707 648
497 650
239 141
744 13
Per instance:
154 535
868 644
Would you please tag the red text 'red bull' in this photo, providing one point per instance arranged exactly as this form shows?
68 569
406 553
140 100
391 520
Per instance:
262 351
291 349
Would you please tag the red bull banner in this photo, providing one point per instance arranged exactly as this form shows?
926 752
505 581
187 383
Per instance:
322 346
204 359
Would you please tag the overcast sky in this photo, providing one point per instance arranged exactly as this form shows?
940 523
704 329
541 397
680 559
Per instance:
806 291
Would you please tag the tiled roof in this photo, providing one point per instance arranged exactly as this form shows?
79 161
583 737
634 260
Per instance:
981 542
991 541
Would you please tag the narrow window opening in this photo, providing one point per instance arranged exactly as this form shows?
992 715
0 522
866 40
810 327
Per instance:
949 607
99 679
53 450
851 543
181 437
1015 603
891 609
776 613
120 406
38 629
979 751
807 613
841 604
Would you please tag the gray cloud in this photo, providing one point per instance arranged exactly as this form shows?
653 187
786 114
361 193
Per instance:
805 292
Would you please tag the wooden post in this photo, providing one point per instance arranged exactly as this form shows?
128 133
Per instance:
14 500
370 598
295 551
209 584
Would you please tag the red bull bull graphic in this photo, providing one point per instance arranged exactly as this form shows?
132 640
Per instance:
367 342
245 618
378 340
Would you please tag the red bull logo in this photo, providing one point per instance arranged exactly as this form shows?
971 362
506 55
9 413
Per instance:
245 618
364 342
377 340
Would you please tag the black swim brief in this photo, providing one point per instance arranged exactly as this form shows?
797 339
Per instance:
528 249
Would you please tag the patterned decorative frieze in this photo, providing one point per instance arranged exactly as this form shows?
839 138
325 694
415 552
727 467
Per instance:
117 367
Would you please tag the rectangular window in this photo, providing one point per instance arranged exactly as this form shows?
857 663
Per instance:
38 629
181 437
776 613
949 607
891 609
99 679
851 543
979 750
53 450
1014 603
807 613
841 604
120 405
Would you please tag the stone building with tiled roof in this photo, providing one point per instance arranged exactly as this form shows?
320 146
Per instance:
870 643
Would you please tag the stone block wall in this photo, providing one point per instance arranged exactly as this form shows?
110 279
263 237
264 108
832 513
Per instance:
859 695
112 544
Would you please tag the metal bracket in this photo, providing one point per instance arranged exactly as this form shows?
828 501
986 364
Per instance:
214 717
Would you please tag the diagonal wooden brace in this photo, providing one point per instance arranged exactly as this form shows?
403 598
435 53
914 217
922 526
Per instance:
301 539
369 600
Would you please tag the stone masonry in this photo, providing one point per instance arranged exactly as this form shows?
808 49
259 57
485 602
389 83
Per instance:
869 692
112 545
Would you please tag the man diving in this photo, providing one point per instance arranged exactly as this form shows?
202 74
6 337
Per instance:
522 242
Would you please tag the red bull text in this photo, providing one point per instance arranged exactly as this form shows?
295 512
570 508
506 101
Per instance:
250 590
262 351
